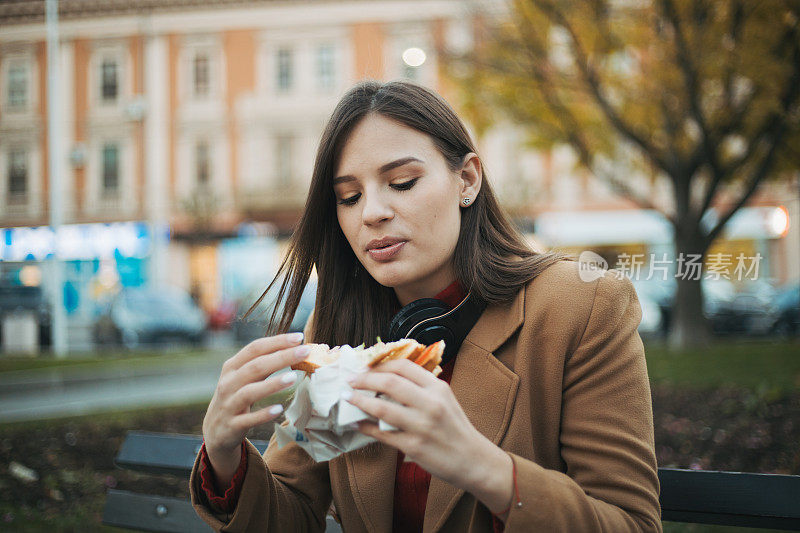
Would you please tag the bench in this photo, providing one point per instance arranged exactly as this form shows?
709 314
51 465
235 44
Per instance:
695 496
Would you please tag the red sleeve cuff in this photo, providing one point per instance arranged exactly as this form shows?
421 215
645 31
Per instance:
497 525
226 502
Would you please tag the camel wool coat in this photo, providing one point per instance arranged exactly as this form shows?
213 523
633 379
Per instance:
556 377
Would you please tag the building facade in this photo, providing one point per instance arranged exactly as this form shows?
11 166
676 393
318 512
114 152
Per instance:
190 121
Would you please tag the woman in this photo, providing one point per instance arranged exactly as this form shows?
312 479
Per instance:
543 420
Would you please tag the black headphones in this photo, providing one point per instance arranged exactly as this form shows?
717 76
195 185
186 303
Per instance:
429 320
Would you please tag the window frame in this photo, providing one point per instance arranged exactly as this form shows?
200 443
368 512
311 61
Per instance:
105 191
17 198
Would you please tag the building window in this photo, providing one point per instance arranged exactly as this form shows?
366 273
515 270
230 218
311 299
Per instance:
284 69
110 170
109 80
325 70
201 75
17 176
284 160
202 163
17 87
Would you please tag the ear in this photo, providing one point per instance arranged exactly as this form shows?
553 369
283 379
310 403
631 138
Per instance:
470 177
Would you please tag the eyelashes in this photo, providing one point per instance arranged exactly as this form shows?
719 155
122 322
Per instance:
406 185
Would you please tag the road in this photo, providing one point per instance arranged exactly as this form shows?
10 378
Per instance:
73 390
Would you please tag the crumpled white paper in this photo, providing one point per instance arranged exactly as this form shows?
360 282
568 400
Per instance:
320 421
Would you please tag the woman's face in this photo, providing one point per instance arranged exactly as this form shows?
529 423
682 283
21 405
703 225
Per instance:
393 185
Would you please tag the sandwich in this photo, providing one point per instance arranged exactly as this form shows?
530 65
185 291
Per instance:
428 357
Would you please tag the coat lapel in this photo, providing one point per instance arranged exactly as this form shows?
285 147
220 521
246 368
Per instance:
484 388
486 391
371 472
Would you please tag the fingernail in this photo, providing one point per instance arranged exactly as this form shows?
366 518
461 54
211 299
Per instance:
288 377
295 337
301 351
275 409
351 379
346 395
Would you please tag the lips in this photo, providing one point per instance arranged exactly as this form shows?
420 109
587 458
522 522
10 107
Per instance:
385 249
383 243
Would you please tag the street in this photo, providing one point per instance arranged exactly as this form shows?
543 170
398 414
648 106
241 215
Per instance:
73 390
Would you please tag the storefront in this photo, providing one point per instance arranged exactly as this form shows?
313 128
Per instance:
97 261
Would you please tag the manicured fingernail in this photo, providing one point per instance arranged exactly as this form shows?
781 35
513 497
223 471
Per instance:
346 395
301 351
275 409
295 337
288 377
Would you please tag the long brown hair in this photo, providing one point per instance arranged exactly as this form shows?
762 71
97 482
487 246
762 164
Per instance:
491 258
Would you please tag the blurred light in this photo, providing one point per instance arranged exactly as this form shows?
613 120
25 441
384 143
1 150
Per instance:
779 221
414 57
107 276
30 275
76 241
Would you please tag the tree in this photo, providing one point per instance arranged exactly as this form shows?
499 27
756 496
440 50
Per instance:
704 94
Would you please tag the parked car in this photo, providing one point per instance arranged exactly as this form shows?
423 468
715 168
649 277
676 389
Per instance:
222 317
137 317
746 312
19 298
786 311
255 325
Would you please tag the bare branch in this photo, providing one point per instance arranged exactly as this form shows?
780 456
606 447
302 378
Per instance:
771 122
592 80
777 129
692 86
755 179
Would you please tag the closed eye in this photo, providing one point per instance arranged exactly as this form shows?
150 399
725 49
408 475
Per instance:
404 186
349 201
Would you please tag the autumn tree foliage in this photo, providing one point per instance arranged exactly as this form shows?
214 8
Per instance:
703 94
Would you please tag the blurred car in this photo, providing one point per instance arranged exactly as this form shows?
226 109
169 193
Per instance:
137 317
16 298
223 316
255 325
746 312
786 311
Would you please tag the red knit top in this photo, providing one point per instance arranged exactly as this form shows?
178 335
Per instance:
411 481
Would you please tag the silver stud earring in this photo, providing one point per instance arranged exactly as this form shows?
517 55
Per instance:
465 201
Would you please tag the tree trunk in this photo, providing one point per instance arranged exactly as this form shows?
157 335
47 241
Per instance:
689 327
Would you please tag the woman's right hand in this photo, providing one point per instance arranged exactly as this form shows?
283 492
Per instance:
246 378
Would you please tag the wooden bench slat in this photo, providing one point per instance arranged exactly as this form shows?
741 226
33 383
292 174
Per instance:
161 514
765 522
730 493
151 513
156 453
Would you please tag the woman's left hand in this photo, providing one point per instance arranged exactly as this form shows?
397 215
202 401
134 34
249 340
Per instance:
433 430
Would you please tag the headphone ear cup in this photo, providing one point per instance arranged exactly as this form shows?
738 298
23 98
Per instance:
412 314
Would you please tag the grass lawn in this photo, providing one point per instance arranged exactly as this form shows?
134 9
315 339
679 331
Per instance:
764 366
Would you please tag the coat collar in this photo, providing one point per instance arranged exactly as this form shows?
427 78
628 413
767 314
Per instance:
484 388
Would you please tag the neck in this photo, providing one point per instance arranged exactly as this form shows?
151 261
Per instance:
428 289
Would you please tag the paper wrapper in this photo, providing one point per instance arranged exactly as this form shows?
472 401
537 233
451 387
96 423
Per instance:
320 421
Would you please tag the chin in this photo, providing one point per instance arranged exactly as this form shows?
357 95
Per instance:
390 274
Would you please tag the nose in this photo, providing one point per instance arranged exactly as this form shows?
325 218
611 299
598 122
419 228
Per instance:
376 209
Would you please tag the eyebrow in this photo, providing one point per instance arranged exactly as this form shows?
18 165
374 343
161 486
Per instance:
385 168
